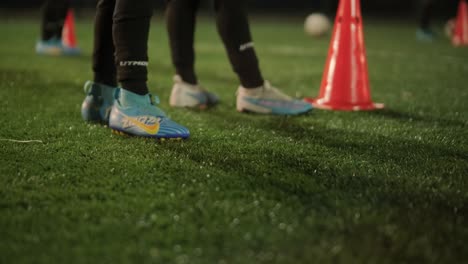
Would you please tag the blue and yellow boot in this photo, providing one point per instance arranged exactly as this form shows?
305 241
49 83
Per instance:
98 102
138 115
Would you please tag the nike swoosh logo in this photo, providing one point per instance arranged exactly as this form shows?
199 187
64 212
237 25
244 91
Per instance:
149 124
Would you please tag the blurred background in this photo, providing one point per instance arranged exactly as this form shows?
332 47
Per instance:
390 8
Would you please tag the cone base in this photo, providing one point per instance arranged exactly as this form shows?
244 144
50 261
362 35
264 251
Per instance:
344 106
459 43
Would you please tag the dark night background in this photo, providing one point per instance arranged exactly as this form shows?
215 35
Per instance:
444 8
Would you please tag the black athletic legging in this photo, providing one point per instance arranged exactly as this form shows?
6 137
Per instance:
233 27
53 16
426 13
121 43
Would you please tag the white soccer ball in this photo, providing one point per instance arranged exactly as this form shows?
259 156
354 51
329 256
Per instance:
317 25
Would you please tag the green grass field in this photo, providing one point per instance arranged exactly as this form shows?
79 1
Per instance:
330 187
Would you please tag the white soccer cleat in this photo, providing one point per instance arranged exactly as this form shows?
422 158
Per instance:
269 100
192 96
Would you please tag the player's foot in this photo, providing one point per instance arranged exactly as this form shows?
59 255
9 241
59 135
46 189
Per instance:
425 34
98 102
193 96
269 100
138 115
54 47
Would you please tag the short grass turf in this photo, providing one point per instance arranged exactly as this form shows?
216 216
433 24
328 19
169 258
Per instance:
387 186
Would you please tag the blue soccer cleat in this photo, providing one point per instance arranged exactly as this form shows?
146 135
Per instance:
98 102
269 100
425 35
55 47
138 115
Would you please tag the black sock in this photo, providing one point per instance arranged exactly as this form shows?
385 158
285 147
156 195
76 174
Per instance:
130 32
103 53
426 14
53 17
181 19
234 29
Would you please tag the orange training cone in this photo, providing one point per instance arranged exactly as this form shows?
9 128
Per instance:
345 81
460 34
68 32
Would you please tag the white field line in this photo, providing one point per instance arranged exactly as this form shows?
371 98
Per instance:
21 141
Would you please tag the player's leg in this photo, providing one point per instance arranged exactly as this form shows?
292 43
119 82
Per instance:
181 20
254 94
100 92
424 31
103 51
53 17
134 111
234 29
